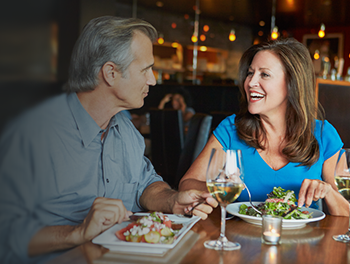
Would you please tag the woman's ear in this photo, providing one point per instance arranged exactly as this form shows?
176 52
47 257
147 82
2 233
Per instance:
109 73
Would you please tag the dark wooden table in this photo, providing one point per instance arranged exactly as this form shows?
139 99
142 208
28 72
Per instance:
310 244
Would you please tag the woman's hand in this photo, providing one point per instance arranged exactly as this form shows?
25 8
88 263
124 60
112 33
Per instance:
165 100
312 190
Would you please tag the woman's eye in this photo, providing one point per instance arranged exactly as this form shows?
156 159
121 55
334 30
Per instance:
250 73
264 74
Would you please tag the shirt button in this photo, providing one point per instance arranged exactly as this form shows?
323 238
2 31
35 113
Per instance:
107 180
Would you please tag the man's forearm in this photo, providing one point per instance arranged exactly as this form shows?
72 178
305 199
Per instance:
158 197
192 184
54 238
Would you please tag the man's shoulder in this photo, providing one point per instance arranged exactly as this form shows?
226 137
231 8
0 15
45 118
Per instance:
43 114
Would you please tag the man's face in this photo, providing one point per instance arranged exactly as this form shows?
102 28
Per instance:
133 84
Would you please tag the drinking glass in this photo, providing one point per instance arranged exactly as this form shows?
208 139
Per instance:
342 180
225 182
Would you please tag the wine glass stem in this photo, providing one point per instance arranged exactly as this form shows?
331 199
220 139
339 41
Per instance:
223 223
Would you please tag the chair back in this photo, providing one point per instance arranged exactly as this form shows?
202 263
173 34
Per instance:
196 138
167 140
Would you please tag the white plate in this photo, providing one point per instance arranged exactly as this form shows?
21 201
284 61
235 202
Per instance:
317 215
109 239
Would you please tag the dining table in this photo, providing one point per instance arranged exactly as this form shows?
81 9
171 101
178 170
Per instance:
312 243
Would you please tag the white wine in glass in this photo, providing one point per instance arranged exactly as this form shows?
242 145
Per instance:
342 180
225 182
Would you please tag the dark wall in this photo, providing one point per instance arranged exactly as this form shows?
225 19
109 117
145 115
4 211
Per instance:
335 101
205 98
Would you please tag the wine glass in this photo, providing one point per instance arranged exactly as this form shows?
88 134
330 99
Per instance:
342 180
225 184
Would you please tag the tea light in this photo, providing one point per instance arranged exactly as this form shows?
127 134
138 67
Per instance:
271 236
271 229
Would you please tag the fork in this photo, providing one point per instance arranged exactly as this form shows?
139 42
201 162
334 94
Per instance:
250 201
189 213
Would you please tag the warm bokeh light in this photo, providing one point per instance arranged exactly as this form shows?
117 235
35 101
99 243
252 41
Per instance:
202 37
166 76
174 44
232 36
203 48
186 16
321 32
317 54
194 39
274 33
261 33
173 25
262 23
159 4
160 40
206 28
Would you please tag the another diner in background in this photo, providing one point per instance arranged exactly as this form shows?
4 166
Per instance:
73 166
180 99
281 131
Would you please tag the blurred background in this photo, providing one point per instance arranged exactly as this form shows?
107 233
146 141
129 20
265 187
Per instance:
37 38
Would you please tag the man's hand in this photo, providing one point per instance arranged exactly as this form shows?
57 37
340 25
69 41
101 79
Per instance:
104 213
312 190
187 199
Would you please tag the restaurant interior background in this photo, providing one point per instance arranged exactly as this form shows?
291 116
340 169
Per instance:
37 38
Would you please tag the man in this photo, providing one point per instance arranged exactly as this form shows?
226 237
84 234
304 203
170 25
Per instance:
73 166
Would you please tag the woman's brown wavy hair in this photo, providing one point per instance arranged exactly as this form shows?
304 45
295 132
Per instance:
302 110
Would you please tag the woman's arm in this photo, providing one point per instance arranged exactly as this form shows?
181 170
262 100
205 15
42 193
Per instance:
312 190
195 177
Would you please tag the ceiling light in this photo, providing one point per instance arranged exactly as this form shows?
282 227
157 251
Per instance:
321 32
232 36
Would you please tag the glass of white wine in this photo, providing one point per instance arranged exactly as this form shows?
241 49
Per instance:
342 180
225 182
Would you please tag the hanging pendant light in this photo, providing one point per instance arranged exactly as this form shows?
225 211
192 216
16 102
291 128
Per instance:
321 32
232 36
160 39
274 33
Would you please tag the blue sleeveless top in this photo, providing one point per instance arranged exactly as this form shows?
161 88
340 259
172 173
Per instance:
260 177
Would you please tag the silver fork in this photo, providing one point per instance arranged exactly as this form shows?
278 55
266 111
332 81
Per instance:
250 201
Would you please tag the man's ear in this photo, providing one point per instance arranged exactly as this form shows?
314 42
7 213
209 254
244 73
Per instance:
109 73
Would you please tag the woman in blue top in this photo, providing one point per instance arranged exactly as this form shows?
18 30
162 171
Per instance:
282 143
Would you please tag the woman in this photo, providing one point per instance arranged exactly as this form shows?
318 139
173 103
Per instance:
180 100
282 143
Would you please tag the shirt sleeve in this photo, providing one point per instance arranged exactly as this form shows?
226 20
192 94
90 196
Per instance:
17 198
330 140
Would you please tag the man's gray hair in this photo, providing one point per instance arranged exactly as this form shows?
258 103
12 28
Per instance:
103 39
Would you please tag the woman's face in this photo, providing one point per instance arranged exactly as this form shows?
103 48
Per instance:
265 85
177 101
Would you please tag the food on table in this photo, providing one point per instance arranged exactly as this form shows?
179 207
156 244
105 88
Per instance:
279 202
155 228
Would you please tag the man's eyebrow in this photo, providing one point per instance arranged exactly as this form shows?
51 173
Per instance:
149 66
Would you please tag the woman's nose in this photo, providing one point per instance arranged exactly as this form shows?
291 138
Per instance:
254 80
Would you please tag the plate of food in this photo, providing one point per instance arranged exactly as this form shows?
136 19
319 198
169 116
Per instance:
279 202
147 231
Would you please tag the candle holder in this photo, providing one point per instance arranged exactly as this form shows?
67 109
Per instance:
271 229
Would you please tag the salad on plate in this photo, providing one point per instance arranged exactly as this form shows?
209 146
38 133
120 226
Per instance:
280 202
155 228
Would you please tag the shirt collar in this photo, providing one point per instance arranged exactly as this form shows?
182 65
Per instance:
86 125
